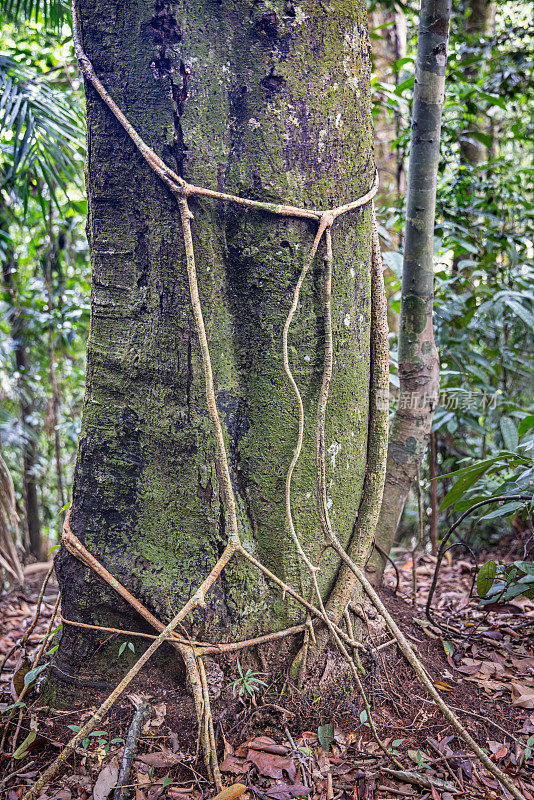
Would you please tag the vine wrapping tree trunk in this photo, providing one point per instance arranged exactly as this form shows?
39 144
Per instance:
275 106
418 357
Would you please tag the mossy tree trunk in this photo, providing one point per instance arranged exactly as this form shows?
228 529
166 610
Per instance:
418 357
264 100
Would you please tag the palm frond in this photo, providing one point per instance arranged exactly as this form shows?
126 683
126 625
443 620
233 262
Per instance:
52 12
41 131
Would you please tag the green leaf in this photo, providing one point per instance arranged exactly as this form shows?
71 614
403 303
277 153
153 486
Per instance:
525 566
397 742
33 674
486 577
485 138
22 749
509 433
462 485
504 510
448 647
525 425
122 648
167 782
325 734
75 728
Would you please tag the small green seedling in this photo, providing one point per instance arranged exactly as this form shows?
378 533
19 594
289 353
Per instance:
248 683
124 645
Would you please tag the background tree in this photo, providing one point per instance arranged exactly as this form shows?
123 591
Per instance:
418 357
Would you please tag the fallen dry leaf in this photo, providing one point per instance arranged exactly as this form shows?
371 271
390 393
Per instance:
236 766
160 758
106 780
272 765
231 792
522 696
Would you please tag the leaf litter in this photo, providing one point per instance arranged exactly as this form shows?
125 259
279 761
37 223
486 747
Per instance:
485 664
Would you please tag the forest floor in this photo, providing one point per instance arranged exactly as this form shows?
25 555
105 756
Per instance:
311 743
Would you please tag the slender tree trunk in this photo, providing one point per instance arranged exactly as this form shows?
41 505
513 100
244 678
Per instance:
418 358
269 102
56 402
29 452
433 463
480 17
388 48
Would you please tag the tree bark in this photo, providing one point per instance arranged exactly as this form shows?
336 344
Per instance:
269 102
56 402
418 358
29 451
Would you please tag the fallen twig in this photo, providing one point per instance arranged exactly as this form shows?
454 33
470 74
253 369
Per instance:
420 780
145 710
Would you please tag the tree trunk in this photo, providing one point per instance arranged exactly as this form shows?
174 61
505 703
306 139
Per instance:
418 358
480 18
388 48
55 406
268 102
29 452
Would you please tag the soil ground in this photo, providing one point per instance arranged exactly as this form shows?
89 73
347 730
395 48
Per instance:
310 743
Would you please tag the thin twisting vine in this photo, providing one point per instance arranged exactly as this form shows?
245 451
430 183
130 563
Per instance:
182 190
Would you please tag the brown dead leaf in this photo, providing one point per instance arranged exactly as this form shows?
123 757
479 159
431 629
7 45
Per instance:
236 766
267 745
61 794
501 752
160 758
272 765
22 667
522 696
106 780
161 711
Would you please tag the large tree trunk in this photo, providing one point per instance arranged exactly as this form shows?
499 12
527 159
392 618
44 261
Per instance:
264 102
418 357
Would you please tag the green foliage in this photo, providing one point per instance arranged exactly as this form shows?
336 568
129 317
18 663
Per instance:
42 218
498 582
507 474
484 306
41 131
52 12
